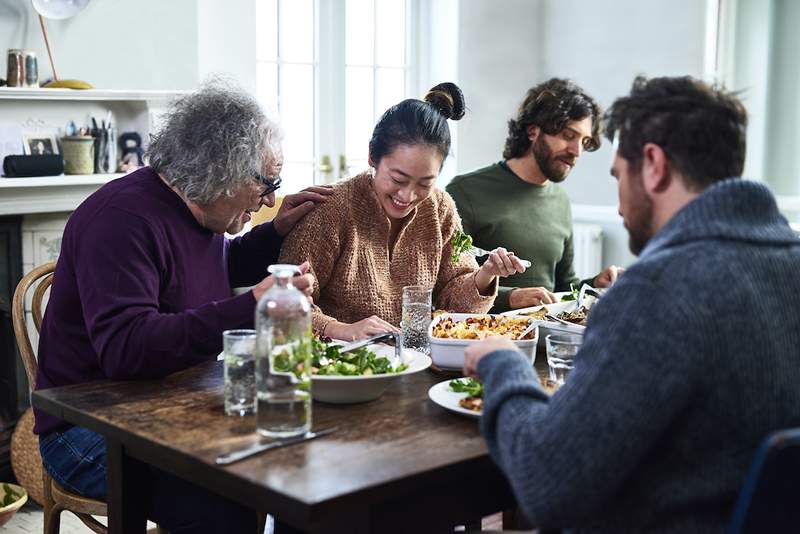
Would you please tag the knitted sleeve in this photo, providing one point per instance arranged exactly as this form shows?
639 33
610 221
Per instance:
317 239
455 288
567 455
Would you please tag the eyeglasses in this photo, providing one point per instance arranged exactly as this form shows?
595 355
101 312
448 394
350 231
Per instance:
271 184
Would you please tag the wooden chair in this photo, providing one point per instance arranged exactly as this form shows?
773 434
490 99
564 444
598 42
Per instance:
25 444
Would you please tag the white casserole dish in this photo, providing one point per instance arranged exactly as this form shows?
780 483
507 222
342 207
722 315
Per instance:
449 353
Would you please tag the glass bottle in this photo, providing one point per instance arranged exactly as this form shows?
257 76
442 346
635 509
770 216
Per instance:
283 358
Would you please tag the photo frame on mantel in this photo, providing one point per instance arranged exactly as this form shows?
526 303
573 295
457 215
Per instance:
39 144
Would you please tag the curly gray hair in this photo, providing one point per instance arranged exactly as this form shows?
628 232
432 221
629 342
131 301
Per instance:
212 141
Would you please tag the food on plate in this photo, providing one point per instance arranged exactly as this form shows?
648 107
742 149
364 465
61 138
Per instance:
461 243
326 360
474 390
539 314
578 316
572 295
482 326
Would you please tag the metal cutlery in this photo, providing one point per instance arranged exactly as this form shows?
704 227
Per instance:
477 251
527 330
370 340
551 317
231 457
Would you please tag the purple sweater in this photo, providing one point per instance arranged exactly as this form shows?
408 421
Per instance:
141 290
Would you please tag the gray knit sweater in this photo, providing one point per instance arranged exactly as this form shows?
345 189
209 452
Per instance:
687 363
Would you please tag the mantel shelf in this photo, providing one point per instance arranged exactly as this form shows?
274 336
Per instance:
48 194
62 180
91 95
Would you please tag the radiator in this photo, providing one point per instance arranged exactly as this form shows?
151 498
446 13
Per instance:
587 241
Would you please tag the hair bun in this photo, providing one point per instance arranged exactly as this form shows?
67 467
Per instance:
448 99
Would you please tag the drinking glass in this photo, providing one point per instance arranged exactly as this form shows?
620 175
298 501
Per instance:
239 354
561 351
416 318
283 370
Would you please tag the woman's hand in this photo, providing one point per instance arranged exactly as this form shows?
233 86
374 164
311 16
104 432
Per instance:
359 330
499 263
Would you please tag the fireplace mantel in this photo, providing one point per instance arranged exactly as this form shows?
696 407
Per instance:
22 196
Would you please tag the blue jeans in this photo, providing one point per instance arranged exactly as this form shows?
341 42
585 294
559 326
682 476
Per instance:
76 459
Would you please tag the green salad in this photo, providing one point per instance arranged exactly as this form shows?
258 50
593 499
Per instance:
461 243
572 295
326 360
10 497
470 386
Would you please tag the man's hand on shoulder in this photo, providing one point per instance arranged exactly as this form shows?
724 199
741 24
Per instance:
295 207
524 297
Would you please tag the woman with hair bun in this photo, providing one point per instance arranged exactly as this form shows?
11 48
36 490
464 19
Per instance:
389 227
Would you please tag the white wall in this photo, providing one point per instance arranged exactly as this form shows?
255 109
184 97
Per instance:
507 47
113 44
226 41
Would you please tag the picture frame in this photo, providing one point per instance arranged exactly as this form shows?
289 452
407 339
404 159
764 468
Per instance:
39 144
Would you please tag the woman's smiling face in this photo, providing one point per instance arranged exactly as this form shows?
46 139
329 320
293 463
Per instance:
405 177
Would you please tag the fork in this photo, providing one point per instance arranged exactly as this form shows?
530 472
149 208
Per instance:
477 251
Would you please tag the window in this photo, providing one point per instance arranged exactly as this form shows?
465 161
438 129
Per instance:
330 68
375 68
757 45
286 74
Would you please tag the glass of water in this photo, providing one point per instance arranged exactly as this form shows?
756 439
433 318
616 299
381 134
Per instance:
239 353
416 317
561 351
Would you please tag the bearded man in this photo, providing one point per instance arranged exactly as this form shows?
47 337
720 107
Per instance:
517 204
685 366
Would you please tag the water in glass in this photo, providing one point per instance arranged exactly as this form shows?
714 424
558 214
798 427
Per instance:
561 351
283 363
416 318
239 371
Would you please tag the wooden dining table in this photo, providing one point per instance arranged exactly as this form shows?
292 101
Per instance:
396 464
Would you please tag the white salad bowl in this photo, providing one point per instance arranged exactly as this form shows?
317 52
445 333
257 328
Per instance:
359 388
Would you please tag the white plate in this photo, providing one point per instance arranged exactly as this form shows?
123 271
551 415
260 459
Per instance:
448 399
552 326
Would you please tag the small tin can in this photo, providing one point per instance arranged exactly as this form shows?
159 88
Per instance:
31 69
16 68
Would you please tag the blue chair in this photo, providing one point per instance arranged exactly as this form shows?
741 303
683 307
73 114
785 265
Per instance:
770 498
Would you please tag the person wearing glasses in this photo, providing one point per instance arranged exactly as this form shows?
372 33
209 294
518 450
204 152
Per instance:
142 287
390 227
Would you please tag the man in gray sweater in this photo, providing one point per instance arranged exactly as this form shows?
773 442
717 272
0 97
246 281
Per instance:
690 359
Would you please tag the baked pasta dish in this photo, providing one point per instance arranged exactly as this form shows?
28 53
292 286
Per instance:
482 326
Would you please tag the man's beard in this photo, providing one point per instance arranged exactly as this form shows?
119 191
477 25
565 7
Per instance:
639 220
547 163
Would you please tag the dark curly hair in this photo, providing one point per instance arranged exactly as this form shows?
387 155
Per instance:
550 106
418 122
702 128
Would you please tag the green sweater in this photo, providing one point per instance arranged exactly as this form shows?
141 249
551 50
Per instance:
498 209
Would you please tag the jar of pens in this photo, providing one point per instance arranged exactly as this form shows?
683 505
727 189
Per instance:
91 148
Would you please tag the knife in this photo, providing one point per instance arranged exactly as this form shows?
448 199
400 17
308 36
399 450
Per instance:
231 457
370 340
